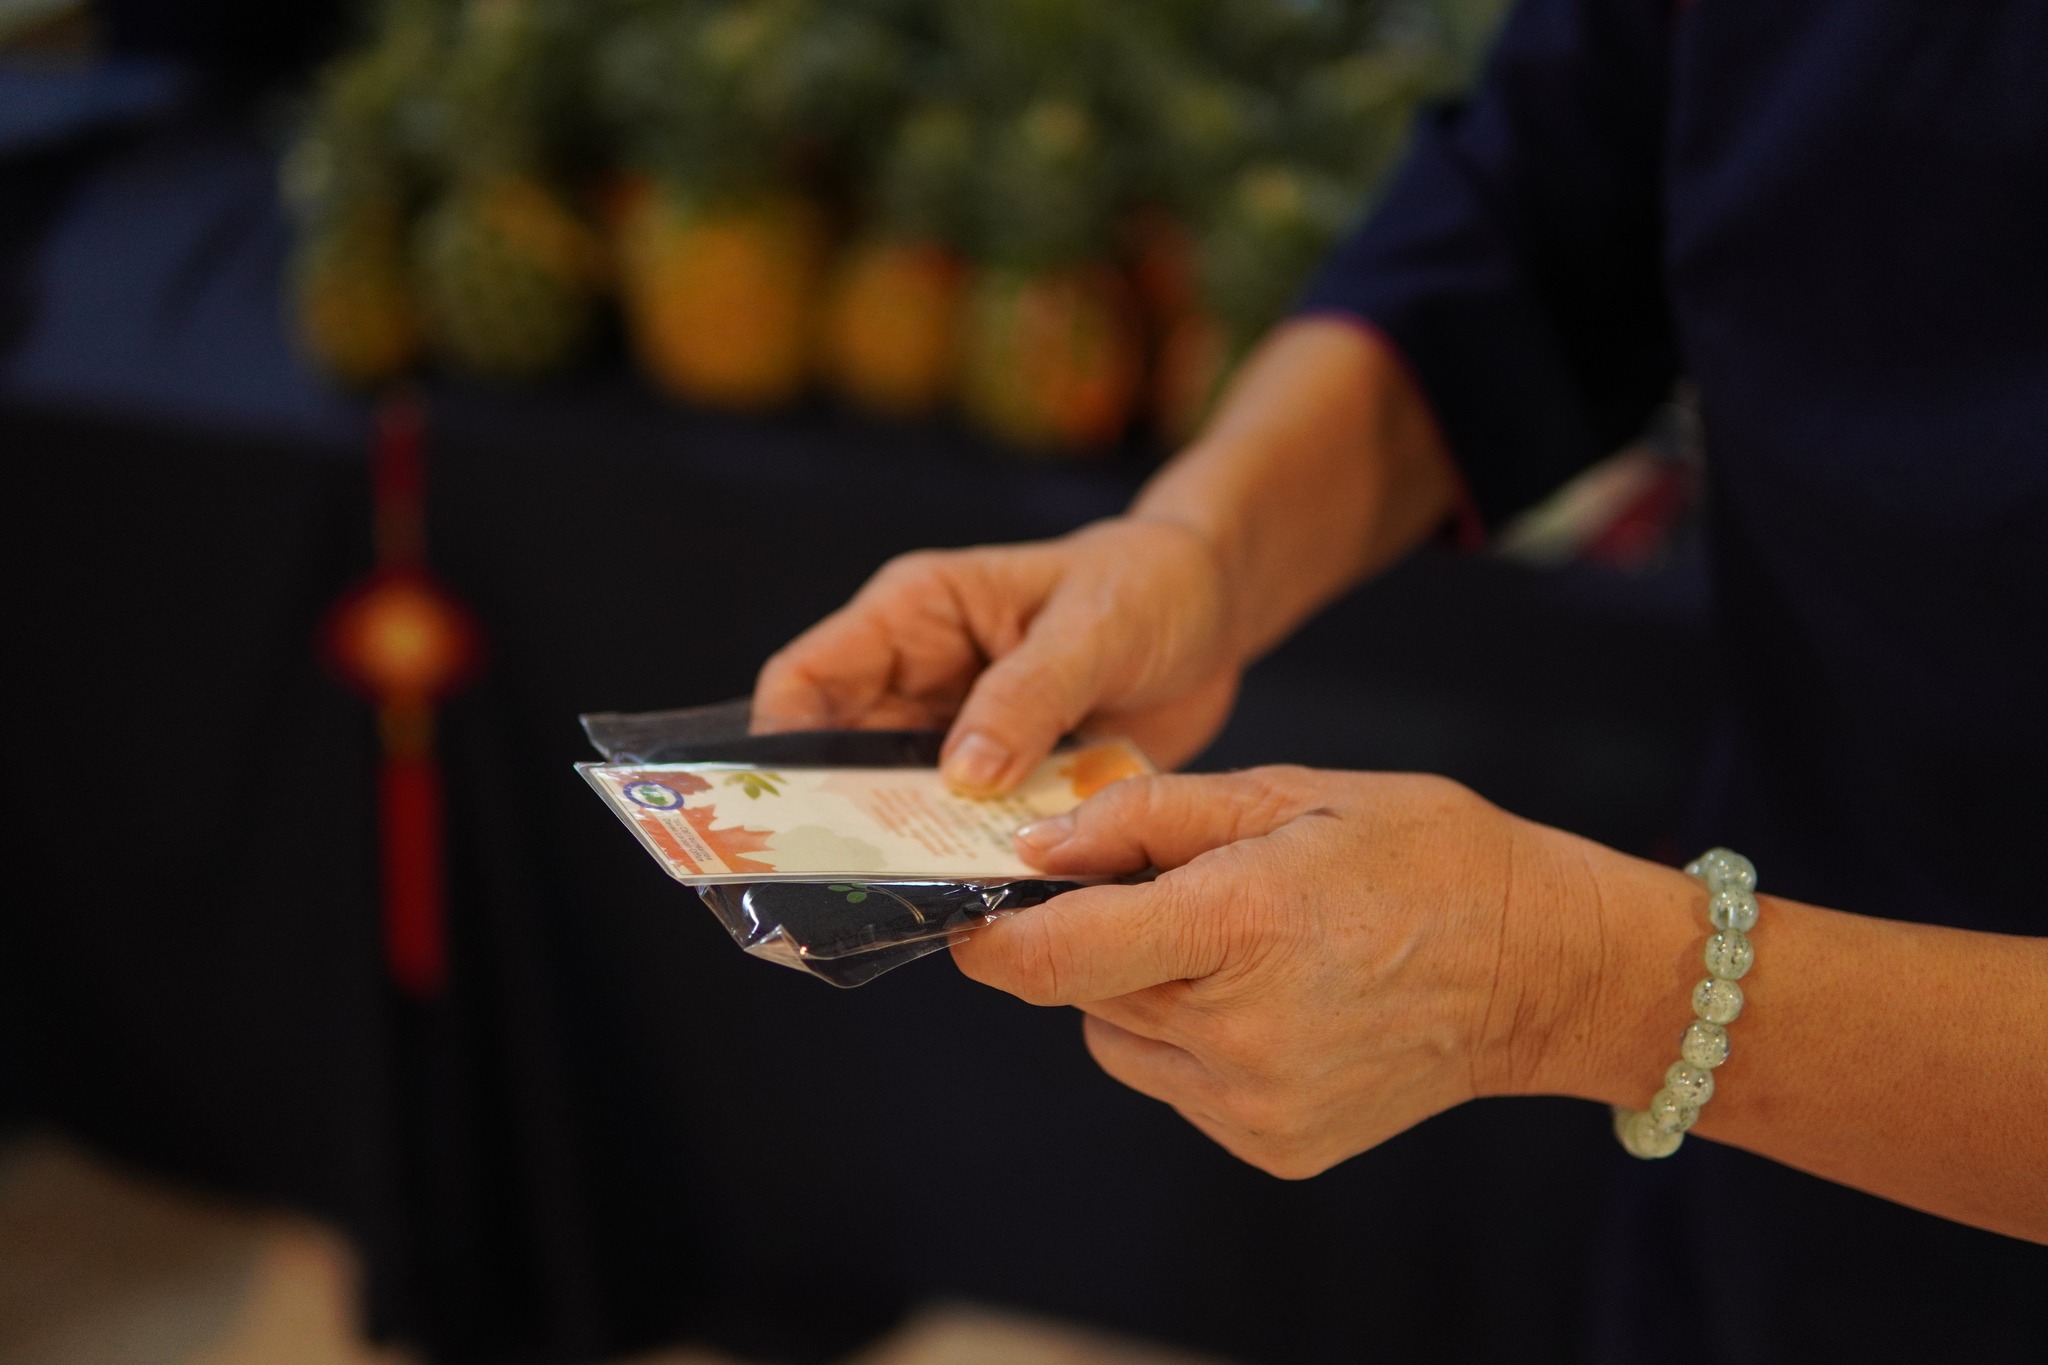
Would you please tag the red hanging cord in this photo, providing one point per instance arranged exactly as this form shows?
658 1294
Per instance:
405 642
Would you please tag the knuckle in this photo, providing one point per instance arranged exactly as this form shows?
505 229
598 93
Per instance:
1262 1113
1132 802
1246 1045
913 563
1013 709
774 669
1150 797
1180 914
1010 688
1442 793
1035 983
909 572
1027 964
1275 791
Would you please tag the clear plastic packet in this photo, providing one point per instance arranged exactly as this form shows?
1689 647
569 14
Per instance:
841 929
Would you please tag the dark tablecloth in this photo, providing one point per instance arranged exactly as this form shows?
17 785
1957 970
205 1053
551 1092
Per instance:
615 1128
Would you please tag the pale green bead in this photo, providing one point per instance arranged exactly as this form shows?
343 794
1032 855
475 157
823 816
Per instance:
1669 1114
1729 954
1694 1085
1640 1138
1729 908
1717 1001
1720 868
1704 1044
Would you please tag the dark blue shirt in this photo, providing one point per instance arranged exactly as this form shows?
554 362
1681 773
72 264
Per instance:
1831 216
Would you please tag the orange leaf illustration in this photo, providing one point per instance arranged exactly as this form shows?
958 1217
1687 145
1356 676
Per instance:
1090 770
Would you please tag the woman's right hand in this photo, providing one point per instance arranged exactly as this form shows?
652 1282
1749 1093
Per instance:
1121 628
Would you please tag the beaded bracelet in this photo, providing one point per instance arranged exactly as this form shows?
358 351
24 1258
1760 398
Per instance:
1731 907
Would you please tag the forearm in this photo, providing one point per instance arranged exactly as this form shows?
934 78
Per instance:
1901 1059
1322 465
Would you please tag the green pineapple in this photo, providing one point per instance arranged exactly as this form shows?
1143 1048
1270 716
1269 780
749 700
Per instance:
890 325
507 272
351 293
923 186
350 179
743 97
362 135
1047 187
1272 229
507 278
1054 351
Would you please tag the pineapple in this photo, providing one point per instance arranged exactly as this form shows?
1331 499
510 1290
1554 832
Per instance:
349 179
1013 133
890 331
1276 223
1349 116
1047 187
1054 359
891 326
729 111
507 278
720 297
354 310
507 272
1200 128
1054 353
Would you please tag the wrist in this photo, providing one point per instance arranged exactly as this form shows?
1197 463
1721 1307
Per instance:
1211 491
1607 947
1217 574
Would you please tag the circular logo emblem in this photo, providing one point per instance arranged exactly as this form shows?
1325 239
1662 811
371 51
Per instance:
654 795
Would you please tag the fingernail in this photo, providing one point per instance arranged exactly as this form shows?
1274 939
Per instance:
976 763
1042 836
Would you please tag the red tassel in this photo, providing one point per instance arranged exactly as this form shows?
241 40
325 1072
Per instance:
404 642
415 924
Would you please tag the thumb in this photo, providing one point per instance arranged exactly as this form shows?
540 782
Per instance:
1164 821
1023 703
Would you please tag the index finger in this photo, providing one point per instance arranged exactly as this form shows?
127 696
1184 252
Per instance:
902 652
831 674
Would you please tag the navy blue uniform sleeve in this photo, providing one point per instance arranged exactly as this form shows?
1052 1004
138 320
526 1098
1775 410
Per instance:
1515 258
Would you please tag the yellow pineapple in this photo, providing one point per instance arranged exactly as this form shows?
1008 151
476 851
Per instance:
1054 359
721 299
891 327
352 298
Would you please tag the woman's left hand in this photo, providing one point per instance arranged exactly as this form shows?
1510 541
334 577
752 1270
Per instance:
1326 958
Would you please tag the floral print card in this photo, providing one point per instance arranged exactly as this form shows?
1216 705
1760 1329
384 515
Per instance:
728 822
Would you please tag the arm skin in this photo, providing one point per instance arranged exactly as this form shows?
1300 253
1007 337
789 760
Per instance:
1322 466
1900 1059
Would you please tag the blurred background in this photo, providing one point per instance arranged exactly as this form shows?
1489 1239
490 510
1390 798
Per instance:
382 385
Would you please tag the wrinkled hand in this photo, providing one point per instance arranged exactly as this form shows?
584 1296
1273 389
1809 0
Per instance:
1325 960
1121 628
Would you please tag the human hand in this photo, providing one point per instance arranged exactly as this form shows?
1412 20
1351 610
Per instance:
1325 960
1121 628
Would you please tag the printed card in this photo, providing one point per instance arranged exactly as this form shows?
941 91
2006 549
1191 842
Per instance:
727 822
